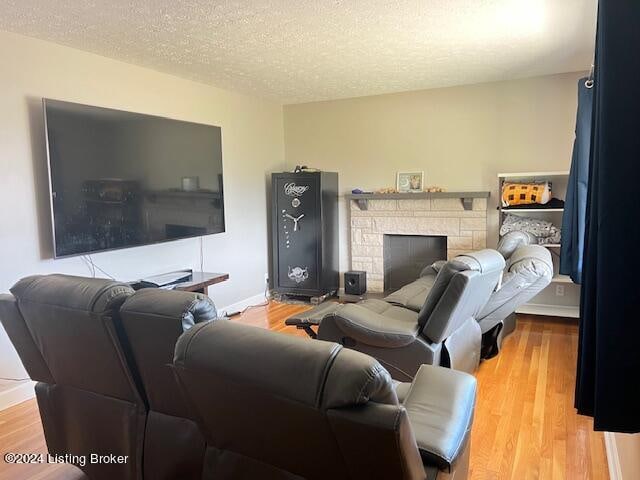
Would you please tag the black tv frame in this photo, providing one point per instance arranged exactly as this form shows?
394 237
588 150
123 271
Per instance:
57 256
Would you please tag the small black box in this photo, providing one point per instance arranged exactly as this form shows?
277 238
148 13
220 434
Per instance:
355 282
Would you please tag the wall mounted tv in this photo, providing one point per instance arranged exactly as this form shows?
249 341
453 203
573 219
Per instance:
121 179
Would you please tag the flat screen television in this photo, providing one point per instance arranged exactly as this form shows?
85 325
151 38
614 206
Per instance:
121 179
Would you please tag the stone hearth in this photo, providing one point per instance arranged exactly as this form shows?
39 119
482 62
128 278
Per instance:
466 230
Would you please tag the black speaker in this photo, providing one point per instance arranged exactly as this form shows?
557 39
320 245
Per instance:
355 282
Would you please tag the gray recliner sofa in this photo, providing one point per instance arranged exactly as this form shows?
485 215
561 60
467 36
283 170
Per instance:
432 322
528 271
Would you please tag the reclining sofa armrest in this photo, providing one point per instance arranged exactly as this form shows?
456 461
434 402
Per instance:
371 328
432 269
440 404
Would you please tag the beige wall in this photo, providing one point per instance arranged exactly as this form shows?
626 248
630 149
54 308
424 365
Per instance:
252 148
461 137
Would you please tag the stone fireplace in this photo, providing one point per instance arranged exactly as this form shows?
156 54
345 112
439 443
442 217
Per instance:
460 218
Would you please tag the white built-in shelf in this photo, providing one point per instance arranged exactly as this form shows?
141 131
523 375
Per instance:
550 310
559 278
532 210
533 174
548 301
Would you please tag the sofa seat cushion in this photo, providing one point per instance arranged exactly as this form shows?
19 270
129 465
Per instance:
378 323
413 294
440 404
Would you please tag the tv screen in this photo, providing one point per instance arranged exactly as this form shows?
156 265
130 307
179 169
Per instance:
121 179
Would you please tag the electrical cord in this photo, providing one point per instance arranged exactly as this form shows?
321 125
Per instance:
92 267
7 379
88 264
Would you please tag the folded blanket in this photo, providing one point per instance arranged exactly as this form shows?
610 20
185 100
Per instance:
544 231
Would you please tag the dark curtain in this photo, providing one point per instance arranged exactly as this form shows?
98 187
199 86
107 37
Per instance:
575 208
608 376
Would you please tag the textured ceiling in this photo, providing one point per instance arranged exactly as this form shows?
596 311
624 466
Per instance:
304 50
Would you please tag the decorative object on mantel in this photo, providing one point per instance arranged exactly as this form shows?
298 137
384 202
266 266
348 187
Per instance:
357 190
434 189
387 190
362 199
410 182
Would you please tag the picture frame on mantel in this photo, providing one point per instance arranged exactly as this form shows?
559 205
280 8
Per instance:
410 182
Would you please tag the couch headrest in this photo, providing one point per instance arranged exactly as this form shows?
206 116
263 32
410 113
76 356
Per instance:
67 291
483 261
511 241
188 308
315 373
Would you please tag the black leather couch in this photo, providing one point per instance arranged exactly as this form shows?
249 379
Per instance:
249 403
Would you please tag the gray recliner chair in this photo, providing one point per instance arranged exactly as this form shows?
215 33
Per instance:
278 407
438 327
528 271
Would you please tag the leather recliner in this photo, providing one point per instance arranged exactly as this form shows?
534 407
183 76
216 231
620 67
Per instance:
407 330
528 271
101 354
152 320
65 330
277 407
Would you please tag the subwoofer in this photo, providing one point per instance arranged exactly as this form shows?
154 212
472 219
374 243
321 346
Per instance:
355 282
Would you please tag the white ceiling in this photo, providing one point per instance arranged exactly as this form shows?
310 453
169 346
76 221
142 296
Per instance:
305 50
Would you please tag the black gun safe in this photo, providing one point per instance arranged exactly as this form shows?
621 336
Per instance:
304 226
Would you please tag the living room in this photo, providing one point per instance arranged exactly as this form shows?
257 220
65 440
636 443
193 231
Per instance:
232 153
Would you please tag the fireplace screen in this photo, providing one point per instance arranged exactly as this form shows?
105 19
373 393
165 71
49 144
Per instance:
406 255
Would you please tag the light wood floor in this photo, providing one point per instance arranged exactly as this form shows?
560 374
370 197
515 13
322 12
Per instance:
525 424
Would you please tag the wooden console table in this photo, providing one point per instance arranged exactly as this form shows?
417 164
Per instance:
200 282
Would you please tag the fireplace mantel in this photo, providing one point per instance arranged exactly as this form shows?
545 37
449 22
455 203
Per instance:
362 199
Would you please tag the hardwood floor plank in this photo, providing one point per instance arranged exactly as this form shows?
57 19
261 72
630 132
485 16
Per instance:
525 424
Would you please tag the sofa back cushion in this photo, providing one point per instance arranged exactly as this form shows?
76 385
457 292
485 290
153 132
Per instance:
153 319
463 286
263 401
71 320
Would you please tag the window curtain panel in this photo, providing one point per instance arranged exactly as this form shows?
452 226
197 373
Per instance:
608 373
575 208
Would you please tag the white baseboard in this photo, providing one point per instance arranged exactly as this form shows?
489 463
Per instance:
16 394
256 299
613 459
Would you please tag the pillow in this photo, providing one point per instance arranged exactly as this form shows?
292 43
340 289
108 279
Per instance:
525 193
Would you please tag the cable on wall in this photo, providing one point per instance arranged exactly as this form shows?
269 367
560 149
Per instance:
92 267
201 256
